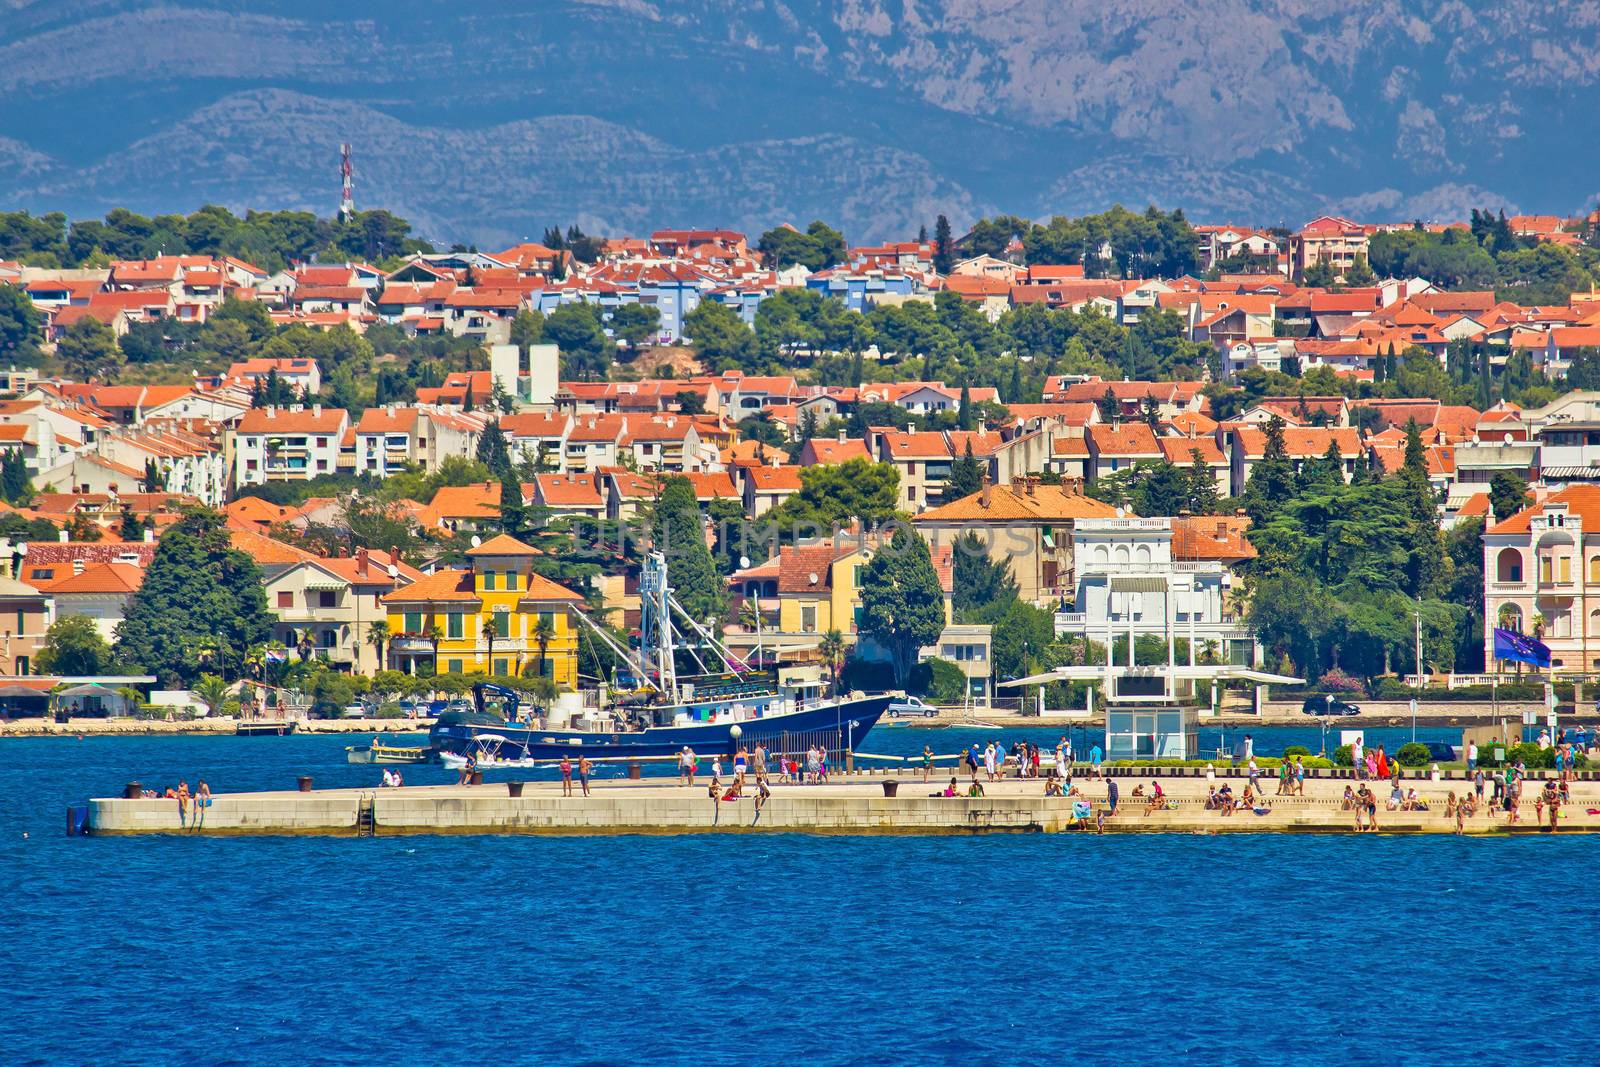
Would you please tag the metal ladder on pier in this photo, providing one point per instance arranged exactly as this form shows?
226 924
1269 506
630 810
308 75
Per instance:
366 816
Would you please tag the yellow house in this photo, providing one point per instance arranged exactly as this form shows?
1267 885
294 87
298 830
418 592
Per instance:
818 586
487 619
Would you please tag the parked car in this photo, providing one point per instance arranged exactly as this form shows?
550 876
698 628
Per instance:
911 707
1329 705
356 710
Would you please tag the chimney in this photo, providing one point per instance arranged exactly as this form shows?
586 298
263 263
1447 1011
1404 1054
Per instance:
911 427
63 536
1018 483
841 437
1033 483
149 535
361 562
316 409
984 495
272 411
391 410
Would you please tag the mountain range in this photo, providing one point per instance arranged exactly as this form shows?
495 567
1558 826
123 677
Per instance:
487 122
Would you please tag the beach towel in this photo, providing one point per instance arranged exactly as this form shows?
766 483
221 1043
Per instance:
1081 809
1262 811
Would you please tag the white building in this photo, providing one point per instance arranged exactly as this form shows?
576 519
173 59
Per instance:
290 444
1129 583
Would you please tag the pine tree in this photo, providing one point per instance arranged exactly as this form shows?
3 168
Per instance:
1110 410
944 251
15 484
964 419
513 515
966 477
493 451
1202 485
1150 412
153 482
680 532
132 527
1425 563
1271 483
198 592
979 581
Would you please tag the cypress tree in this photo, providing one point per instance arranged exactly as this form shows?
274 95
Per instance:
902 606
680 533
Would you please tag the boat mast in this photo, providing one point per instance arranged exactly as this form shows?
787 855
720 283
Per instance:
655 623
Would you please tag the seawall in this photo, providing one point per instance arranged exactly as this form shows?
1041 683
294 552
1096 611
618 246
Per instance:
855 806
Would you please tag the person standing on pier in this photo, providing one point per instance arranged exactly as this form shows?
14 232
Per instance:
989 760
584 767
566 776
183 802
1095 756
927 763
687 765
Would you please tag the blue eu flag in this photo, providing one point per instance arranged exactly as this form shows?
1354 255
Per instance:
1508 644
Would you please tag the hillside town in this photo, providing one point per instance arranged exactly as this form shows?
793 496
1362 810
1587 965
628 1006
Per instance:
1346 452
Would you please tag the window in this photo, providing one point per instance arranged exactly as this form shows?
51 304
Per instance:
501 668
547 619
413 622
488 581
329 638
285 599
455 626
808 619
502 622
327 598
511 581
452 666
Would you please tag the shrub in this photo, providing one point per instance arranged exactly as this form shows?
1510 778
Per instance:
1337 680
390 710
1341 756
939 680
1531 754
1296 750
1413 754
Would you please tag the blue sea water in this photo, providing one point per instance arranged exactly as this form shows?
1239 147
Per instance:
819 950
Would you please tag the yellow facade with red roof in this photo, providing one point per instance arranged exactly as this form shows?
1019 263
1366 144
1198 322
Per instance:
498 617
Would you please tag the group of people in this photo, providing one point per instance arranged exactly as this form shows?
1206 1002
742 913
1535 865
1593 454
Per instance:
197 801
392 778
808 768
1025 759
1224 801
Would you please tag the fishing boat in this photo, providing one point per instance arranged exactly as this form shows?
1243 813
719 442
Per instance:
716 711
378 752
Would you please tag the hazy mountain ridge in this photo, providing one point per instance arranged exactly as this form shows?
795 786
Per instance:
876 114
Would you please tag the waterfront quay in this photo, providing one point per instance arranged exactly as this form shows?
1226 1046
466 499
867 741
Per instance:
864 803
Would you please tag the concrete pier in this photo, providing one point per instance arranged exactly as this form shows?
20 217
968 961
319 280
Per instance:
853 805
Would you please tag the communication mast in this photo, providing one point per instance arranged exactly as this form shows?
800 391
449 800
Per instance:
347 200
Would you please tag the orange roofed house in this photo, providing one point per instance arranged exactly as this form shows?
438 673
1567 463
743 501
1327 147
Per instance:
1023 524
292 444
496 616
1541 576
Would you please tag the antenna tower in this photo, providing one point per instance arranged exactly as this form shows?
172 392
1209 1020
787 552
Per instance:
347 200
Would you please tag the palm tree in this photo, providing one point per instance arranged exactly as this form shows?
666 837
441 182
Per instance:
211 691
544 631
434 633
491 630
832 649
378 638
305 644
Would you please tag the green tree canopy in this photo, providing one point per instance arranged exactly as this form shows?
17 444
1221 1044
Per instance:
902 606
199 595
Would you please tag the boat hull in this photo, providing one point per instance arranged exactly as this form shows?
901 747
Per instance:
839 725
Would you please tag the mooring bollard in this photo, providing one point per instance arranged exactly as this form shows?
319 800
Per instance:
477 777
891 788
132 791
514 788
305 783
634 772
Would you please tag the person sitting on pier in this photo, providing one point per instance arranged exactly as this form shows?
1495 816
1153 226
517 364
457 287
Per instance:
947 791
1158 799
1211 799
1348 801
1413 801
1450 805
1225 799
1396 799
975 789
1052 786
